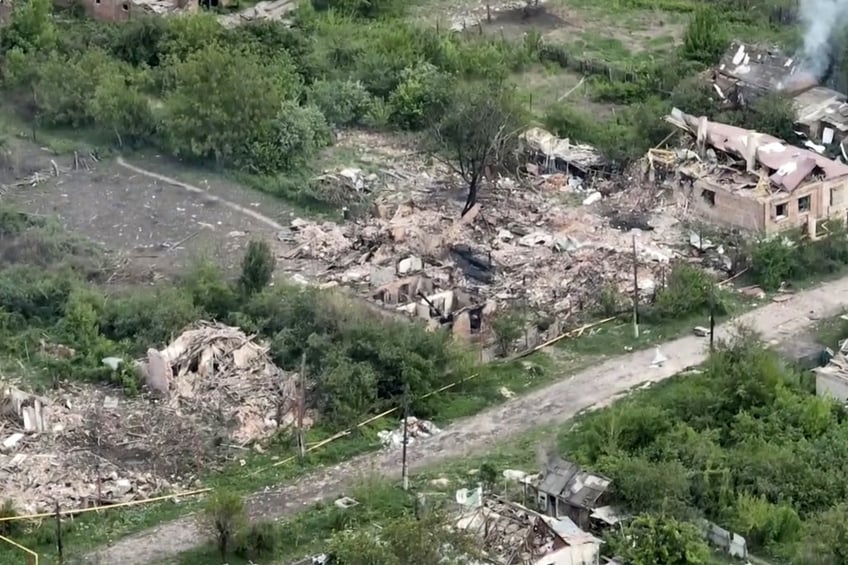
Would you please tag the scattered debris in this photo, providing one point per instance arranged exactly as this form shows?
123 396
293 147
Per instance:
416 429
506 393
346 502
659 359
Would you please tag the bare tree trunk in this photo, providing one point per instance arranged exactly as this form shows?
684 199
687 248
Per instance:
473 187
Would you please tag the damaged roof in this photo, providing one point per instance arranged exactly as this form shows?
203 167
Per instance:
568 481
788 166
763 69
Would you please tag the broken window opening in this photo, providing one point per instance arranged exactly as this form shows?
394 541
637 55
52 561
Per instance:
780 211
708 196
125 7
804 204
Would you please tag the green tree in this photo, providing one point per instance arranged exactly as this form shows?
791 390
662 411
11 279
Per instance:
225 517
704 40
346 391
422 91
120 105
652 539
478 132
224 104
773 261
31 28
257 267
64 87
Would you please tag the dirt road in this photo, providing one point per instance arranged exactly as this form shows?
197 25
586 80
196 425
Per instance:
556 403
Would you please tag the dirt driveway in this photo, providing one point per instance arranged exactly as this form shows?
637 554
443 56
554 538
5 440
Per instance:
776 322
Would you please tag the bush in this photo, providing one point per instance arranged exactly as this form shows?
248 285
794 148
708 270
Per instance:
773 260
9 527
508 326
704 40
257 267
225 516
147 319
257 541
423 90
688 290
342 102
651 539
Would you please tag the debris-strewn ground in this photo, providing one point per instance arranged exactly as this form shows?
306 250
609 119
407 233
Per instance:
211 390
548 243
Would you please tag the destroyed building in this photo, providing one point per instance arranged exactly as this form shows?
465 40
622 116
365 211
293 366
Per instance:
209 396
746 72
540 243
511 534
566 490
753 181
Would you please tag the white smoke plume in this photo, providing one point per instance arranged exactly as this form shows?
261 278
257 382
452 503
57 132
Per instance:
821 19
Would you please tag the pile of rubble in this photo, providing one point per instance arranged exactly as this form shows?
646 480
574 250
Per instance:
532 242
213 389
415 429
82 448
218 373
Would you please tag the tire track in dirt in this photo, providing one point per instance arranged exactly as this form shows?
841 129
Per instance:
556 403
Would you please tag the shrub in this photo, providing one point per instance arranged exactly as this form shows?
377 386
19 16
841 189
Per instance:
209 290
148 318
34 294
508 326
342 102
773 260
225 516
257 267
704 40
257 541
9 527
423 90
688 290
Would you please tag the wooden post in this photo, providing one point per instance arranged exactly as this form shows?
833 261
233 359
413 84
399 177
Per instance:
59 548
712 318
635 292
301 406
405 465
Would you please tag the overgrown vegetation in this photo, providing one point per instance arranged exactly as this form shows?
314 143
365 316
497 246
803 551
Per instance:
743 443
795 258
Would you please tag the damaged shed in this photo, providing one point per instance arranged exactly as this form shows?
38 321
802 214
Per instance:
755 181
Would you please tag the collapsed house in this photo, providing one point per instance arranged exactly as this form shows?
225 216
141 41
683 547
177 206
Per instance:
540 244
208 396
219 372
753 181
511 534
747 72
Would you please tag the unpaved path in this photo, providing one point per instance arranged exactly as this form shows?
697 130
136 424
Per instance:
209 197
555 403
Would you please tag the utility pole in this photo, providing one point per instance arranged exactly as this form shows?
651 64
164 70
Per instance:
635 292
301 406
59 535
405 468
712 317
